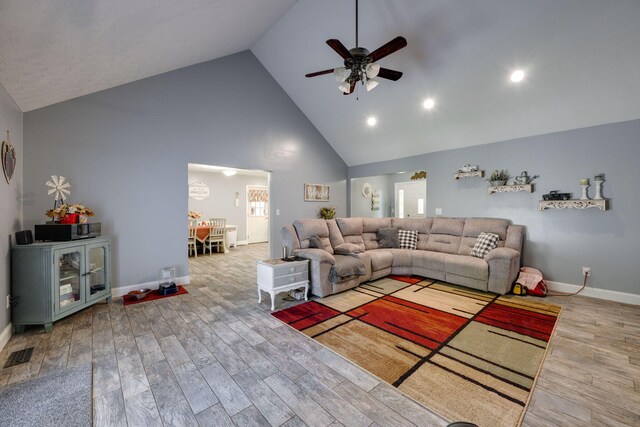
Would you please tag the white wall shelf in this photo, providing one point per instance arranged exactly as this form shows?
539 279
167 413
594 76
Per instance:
510 188
573 204
473 174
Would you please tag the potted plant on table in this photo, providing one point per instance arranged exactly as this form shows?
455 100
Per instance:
498 177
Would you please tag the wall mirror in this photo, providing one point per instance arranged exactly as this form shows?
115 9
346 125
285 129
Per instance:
390 195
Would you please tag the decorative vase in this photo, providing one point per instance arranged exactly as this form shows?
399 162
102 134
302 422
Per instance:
69 219
498 183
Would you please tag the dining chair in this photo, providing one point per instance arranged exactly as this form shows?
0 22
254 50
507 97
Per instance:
191 243
216 234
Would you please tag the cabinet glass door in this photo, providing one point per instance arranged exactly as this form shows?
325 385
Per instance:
96 276
68 290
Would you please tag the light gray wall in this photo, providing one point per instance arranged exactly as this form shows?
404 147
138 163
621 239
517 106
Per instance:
361 206
125 151
558 242
222 195
10 203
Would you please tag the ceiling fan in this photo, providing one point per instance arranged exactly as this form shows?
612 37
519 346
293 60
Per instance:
360 64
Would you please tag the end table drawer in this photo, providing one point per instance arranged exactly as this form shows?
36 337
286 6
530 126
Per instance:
290 268
287 280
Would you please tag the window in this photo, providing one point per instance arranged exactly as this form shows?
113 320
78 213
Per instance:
258 200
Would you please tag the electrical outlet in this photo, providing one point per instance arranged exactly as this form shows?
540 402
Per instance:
586 270
8 301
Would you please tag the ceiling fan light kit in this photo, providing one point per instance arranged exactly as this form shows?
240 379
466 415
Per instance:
360 64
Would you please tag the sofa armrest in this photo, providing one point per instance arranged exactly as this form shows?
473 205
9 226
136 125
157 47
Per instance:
504 265
320 264
290 238
501 253
318 255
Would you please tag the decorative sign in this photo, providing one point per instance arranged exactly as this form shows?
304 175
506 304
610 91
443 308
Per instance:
198 190
9 159
375 201
316 193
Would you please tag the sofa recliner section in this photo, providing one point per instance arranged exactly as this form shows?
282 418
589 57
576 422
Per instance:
443 251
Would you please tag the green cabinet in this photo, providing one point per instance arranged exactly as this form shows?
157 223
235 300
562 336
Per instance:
52 280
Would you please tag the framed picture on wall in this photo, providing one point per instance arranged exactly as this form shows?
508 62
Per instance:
316 193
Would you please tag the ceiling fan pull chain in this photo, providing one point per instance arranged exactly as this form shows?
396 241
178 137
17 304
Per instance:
357 24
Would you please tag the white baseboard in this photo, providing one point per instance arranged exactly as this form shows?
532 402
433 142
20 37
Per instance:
5 335
242 243
595 292
123 290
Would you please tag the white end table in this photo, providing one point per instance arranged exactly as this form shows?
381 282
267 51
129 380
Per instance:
276 275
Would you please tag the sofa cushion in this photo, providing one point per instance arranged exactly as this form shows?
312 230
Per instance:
370 228
316 242
380 259
443 243
350 226
484 243
401 257
474 226
313 227
466 266
407 239
451 226
335 236
388 237
348 249
421 225
351 229
428 260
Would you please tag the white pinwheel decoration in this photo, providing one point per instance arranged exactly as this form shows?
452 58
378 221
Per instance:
58 187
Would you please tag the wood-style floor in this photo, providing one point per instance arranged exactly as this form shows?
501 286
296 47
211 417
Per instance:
215 357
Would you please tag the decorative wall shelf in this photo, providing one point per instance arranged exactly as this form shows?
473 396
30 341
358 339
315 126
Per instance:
510 188
573 204
459 175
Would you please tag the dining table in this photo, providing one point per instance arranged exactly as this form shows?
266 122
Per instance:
202 232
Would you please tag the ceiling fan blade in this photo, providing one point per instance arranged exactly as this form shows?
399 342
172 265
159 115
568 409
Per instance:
351 88
387 49
339 47
319 73
386 73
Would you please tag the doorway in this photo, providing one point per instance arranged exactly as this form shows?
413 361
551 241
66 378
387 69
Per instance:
257 214
220 192
411 199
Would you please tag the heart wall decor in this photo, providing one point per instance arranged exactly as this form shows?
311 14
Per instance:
9 159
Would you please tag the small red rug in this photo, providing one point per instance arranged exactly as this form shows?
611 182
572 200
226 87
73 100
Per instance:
153 295
465 354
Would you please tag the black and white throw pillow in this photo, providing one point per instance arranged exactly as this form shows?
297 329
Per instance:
484 243
407 239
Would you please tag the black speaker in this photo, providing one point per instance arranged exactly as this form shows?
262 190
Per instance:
24 237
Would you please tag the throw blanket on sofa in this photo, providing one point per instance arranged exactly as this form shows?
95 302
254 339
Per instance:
346 266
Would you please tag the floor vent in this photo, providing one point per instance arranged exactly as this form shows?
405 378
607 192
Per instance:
19 357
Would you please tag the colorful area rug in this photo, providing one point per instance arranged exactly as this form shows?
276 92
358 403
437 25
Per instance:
153 295
465 354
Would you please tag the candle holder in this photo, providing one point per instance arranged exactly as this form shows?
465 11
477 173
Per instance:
585 196
598 190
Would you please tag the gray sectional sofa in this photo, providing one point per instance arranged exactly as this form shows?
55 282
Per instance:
443 251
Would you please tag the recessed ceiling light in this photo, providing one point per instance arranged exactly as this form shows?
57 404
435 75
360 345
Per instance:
517 76
429 103
371 121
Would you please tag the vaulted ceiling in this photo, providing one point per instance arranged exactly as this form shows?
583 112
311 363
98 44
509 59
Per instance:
581 59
